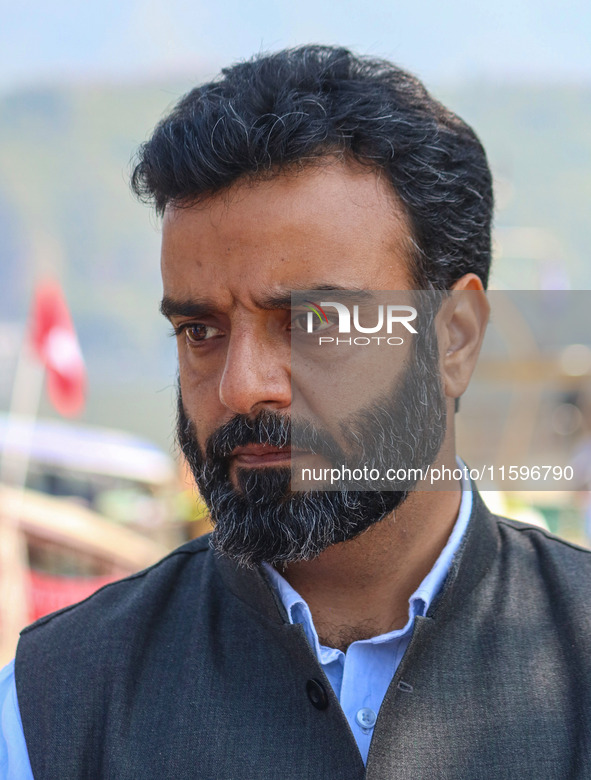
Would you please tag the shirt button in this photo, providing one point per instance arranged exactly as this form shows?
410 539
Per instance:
317 694
366 718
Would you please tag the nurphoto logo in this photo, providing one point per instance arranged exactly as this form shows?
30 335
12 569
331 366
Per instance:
387 317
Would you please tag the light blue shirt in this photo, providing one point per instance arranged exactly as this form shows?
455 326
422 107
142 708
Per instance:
14 757
359 677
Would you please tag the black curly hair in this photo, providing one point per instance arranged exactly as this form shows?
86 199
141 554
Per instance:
298 105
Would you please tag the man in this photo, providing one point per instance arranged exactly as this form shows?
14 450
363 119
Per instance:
356 633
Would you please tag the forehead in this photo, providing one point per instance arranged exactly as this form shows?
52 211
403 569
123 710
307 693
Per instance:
329 224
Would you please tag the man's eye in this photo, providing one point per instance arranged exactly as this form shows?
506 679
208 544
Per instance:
198 333
307 322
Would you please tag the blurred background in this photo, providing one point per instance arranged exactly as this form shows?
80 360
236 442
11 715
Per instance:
81 86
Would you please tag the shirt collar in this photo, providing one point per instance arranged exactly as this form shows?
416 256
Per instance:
298 611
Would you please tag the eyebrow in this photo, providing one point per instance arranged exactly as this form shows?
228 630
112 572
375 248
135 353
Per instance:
172 307
295 297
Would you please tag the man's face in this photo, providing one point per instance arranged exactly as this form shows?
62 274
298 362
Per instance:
229 266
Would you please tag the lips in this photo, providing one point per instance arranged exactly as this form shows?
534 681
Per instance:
262 455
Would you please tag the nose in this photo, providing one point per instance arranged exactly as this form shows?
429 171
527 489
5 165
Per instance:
256 374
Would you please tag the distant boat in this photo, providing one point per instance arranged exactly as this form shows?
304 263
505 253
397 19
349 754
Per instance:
69 548
85 450
71 552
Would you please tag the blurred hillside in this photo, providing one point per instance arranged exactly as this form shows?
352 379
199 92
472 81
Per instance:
539 148
65 206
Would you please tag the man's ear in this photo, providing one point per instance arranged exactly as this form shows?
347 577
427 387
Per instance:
464 319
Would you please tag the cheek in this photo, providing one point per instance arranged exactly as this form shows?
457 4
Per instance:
200 393
343 379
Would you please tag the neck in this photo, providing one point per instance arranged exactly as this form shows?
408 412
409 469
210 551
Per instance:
360 588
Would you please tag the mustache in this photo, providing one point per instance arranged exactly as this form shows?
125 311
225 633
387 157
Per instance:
268 427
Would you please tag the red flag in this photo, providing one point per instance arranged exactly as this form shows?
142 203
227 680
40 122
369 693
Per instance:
55 342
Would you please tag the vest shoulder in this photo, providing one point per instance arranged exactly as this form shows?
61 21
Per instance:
144 588
534 534
547 554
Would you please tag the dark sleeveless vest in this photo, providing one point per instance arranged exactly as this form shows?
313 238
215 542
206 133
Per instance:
190 670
